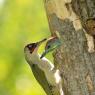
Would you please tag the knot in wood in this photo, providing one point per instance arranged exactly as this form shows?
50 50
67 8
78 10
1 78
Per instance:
90 26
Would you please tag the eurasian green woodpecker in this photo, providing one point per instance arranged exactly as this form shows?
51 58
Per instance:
44 71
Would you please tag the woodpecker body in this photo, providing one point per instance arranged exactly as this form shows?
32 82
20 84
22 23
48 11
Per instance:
43 70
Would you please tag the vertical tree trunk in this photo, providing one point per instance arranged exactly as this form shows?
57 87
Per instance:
69 18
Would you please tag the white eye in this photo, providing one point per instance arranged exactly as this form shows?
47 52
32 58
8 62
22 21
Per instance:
30 46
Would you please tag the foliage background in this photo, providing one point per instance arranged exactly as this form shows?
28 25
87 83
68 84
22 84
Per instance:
21 22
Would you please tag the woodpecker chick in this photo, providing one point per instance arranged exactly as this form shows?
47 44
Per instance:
43 70
52 44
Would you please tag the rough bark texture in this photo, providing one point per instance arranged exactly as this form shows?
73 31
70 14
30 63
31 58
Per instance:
77 65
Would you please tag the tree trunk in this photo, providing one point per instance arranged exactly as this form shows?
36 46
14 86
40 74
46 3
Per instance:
77 66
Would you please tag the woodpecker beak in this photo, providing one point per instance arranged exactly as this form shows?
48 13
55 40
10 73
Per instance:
43 54
40 42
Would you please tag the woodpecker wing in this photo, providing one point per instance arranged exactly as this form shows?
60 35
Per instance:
40 77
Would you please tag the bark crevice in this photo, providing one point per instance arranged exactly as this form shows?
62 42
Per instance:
76 64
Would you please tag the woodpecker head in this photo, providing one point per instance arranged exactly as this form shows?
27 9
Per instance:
31 49
52 43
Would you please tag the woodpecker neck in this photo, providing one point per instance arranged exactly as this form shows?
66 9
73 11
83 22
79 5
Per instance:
34 58
43 64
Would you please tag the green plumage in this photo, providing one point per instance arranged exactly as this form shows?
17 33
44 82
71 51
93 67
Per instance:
40 77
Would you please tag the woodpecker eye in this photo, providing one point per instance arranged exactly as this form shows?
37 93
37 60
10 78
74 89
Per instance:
31 47
48 46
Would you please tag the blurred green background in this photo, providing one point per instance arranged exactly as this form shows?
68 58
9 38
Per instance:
21 22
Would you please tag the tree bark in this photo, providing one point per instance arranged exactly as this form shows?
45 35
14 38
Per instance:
77 66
